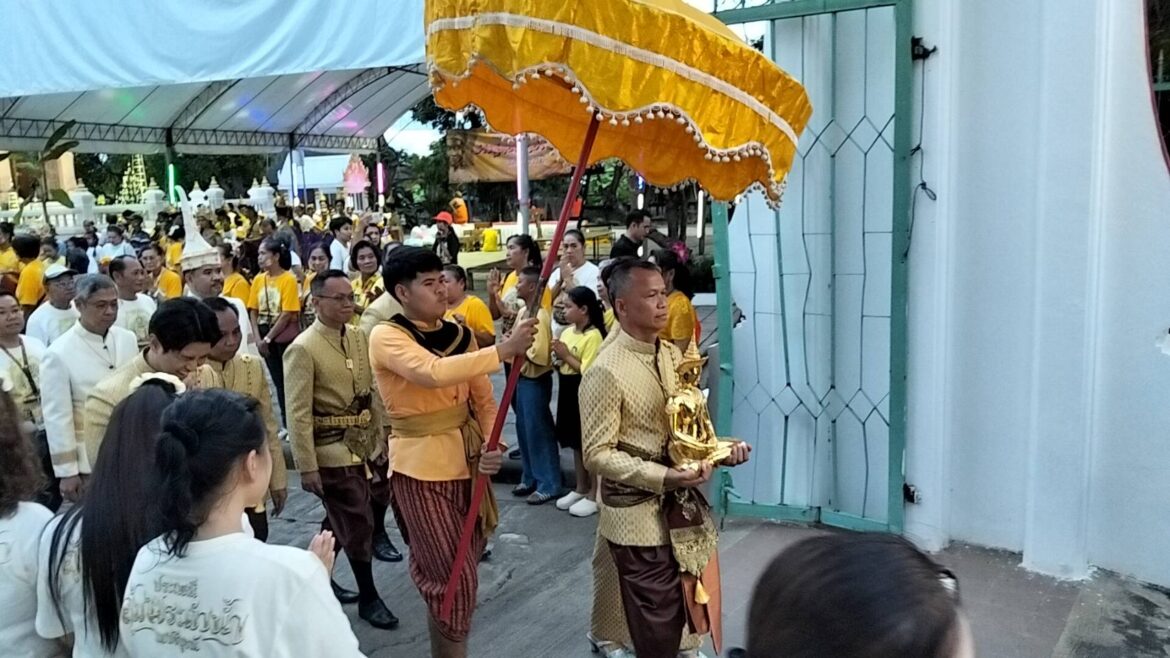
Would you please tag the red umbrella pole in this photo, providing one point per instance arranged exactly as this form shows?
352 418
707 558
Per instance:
481 481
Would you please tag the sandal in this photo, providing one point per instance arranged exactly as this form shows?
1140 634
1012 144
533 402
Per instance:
521 490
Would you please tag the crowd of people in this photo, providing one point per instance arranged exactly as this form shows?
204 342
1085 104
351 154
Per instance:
150 384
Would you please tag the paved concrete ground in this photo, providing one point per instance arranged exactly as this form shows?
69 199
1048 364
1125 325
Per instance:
535 593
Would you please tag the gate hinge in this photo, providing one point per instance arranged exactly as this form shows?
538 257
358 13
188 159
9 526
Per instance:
918 49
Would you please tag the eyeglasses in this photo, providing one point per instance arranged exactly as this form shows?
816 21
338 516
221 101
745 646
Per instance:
340 299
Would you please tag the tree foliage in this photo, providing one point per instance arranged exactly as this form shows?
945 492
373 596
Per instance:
234 173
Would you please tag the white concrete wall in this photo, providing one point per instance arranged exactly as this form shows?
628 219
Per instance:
1039 280
1038 284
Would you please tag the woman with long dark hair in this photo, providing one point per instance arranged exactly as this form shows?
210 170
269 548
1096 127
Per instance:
21 524
575 351
274 305
211 464
86 554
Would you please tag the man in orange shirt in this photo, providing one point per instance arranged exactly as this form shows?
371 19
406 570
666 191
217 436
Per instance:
439 398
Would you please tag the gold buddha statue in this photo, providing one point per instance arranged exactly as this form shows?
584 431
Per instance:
693 438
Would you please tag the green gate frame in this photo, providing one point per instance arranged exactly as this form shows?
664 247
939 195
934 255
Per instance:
729 502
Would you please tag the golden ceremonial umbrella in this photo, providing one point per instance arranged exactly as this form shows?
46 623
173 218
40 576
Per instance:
658 84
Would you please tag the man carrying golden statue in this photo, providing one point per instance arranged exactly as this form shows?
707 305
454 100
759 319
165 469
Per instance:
647 433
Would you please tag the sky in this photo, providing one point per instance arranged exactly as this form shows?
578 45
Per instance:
413 137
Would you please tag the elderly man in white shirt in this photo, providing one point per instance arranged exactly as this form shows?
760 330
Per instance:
83 356
55 317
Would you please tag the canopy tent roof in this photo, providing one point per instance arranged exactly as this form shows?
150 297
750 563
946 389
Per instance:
314 74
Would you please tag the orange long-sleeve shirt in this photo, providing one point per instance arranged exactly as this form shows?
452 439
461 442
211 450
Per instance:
413 381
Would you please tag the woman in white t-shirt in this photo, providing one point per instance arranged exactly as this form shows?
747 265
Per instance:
21 523
232 595
93 545
574 271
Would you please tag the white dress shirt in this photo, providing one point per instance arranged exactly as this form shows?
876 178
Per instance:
48 322
73 365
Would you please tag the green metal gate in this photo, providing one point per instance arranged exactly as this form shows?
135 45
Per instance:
829 408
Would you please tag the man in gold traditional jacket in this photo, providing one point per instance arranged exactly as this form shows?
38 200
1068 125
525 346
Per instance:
335 421
181 333
229 368
655 522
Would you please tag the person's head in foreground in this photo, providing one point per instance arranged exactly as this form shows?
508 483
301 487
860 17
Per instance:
852 595
414 276
211 463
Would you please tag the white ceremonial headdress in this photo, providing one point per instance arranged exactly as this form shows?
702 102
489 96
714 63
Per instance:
197 253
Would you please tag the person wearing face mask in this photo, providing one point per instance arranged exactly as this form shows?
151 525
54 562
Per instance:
74 365
182 332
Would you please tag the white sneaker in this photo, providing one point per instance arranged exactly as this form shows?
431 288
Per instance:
568 500
583 508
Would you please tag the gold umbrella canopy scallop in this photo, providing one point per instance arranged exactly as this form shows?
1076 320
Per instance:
676 94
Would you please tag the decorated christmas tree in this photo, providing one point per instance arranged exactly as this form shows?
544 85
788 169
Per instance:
133 181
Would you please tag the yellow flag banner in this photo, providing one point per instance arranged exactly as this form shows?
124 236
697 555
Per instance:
478 156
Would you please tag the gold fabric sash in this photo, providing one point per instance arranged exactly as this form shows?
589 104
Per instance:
444 420
352 428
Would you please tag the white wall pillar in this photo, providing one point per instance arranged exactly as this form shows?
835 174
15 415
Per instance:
1069 195
929 393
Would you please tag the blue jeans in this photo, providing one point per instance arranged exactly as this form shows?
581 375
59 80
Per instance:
535 429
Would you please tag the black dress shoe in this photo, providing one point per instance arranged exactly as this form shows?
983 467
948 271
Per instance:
343 595
377 615
384 549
